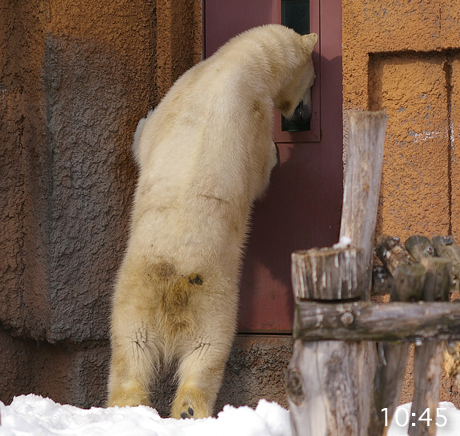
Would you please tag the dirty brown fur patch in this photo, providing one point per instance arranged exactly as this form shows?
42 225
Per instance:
175 292
257 108
175 301
163 270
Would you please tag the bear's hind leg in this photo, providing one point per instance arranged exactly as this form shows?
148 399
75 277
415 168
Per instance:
200 377
134 362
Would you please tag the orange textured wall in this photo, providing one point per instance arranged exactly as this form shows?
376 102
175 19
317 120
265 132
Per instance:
404 57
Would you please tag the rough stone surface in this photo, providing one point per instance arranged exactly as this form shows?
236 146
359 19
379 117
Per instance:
24 302
391 27
75 78
256 369
75 374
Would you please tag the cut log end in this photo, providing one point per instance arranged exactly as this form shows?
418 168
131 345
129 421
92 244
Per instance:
329 274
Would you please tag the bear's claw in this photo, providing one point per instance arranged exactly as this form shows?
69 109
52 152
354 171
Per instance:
188 414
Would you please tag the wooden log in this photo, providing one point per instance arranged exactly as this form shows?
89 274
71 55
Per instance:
392 253
362 181
428 356
328 388
329 383
382 281
328 274
445 246
337 377
407 286
408 274
438 279
366 321
420 247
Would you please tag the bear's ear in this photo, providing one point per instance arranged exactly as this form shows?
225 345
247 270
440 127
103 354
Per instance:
308 42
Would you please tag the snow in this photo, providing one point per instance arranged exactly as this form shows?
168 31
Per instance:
34 415
344 242
37 416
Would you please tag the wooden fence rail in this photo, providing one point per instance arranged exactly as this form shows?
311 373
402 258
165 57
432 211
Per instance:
363 321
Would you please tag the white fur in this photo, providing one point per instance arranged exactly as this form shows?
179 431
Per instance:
204 154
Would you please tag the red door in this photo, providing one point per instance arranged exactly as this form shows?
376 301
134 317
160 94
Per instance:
302 206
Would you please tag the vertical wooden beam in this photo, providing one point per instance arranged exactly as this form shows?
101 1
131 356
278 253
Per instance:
362 181
428 356
409 277
446 246
330 382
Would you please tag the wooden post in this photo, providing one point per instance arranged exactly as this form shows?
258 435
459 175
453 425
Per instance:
428 356
408 285
328 274
329 383
362 181
445 246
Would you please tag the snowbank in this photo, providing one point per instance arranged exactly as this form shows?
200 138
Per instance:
37 416
34 415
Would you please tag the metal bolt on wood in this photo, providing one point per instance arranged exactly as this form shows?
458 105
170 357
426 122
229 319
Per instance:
347 318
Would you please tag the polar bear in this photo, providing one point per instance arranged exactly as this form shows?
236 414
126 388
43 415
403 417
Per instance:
204 155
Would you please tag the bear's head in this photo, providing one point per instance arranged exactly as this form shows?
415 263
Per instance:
294 98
